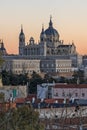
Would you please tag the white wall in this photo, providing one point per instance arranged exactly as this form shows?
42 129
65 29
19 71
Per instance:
21 91
76 93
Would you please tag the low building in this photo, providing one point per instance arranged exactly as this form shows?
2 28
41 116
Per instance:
69 91
62 91
13 92
44 90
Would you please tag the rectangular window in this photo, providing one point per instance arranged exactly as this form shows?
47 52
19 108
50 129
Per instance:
83 94
76 94
56 94
63 94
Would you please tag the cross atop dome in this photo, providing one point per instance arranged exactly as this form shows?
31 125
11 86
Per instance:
50 23
21 28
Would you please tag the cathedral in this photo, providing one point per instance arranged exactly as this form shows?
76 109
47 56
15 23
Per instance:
49 45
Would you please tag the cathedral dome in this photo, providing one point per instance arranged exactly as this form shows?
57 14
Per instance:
52 33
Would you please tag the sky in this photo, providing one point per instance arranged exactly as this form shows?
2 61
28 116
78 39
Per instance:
69 19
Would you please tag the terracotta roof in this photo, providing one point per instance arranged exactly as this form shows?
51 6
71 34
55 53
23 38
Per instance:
70 86
30 96
49 100
20 100
53 100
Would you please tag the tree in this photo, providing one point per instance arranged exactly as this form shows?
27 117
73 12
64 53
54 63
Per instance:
48 78
62 79
5 78
8 78
35 79
2 97
22 118
78 75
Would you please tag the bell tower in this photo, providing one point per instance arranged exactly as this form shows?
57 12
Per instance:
21 42
42 35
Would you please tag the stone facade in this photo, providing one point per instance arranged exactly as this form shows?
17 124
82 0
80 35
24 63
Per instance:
49 44
20 66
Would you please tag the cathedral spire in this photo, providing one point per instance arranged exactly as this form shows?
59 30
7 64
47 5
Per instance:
21 28
21 32
42 27
50 23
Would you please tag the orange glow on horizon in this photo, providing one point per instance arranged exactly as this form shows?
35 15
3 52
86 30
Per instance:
12 45
11 41
69 18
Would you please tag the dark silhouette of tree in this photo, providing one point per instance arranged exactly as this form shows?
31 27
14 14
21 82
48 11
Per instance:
5 78
8 78
62 79
48 78
22 118
78 75
35 79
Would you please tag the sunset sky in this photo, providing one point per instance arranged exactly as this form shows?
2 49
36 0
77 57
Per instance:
69 18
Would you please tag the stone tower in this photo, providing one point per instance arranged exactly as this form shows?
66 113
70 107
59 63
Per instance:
21 42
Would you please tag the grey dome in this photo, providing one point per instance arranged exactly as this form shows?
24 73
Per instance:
51 32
